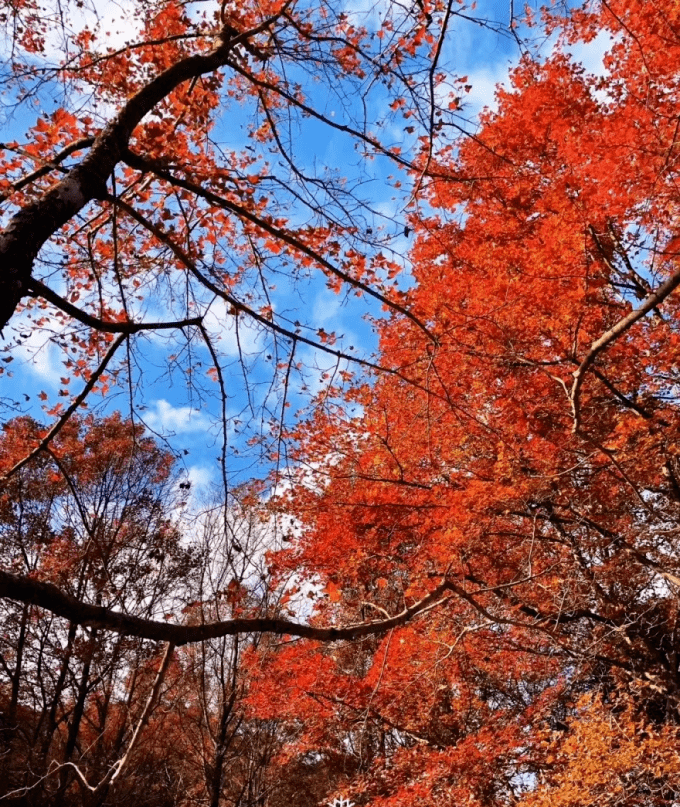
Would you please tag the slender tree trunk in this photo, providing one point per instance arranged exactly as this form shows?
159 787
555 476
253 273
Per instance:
76 719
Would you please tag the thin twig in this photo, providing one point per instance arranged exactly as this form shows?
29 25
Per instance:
54 431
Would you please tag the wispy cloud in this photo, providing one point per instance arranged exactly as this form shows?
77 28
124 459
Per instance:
201 477
230 332
485 82
165 419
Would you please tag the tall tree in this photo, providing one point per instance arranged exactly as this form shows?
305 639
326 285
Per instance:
527 458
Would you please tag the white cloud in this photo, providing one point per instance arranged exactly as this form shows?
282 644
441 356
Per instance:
165 418
222 326
486 79
367 13
327 307
344 318
115 19
591 54
36 352
113 22
200 477
201 482
485 82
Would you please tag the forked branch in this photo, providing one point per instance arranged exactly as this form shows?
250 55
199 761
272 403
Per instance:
647 305
282 235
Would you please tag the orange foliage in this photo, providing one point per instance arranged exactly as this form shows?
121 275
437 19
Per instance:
528 454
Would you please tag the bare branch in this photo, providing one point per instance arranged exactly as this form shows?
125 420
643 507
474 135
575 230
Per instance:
51 598
239 306
117 769
650 302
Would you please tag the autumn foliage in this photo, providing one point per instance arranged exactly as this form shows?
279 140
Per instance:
507 466
527 453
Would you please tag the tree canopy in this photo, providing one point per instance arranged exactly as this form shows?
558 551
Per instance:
472 528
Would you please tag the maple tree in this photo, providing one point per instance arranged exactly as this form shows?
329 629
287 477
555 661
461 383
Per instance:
525 460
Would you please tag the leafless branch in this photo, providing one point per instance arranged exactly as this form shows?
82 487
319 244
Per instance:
649 303
51 598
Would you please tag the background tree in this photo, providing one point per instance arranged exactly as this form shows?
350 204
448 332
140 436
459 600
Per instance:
94 517
232 752
100 512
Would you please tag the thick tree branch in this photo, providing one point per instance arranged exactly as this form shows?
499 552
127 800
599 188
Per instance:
51 598
53 164
38 288
35 223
